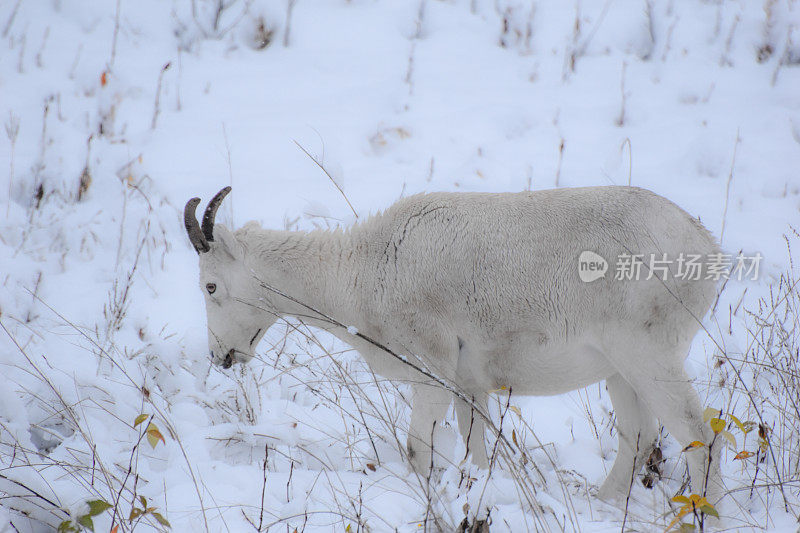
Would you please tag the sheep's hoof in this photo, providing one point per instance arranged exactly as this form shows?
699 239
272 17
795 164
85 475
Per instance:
228 362
477 526
653 468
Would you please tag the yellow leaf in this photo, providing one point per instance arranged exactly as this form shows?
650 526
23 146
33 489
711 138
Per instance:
139 419
514 438
744 454
154 435
680 498
683 511
500 389
710 413
515 409
737 422
694 445
347 529
717 424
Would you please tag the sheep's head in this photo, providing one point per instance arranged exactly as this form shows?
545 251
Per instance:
237 319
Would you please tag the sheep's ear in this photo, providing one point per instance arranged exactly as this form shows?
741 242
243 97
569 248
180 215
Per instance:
227 242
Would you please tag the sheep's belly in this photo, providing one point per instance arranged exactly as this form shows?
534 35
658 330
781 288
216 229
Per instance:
548 371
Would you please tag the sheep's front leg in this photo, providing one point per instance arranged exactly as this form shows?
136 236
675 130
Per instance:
473 429
428 409
471 424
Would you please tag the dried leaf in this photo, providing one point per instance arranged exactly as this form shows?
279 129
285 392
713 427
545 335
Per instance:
709 510
154 435
161 520
84 183
139 419
744 454
710 413
728 435
515 409
694 445
749 426
371 466
681 499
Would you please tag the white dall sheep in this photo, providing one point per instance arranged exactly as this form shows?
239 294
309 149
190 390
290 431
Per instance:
486 290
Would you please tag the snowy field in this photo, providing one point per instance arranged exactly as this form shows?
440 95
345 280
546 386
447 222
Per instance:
116 113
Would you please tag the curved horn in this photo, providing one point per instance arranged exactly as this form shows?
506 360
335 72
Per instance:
193 228
211 213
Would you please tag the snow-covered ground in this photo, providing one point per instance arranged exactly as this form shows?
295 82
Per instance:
116 113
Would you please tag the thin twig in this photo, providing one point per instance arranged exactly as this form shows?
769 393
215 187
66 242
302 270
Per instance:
728 187
157 107
289 8
560 159
114 38
11 19
320 165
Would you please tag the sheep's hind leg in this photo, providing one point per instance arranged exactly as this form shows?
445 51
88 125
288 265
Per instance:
667 391
636 433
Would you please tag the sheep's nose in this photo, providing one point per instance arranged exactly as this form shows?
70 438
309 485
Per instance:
228 359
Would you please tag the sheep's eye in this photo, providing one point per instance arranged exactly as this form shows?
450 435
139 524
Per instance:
211 287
